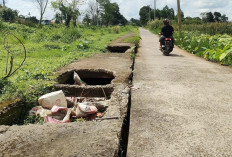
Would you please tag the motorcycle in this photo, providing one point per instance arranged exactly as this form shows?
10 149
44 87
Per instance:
167 48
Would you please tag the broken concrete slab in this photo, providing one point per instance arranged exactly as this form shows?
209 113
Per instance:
119 47
89 138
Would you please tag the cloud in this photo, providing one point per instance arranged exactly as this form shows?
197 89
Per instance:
29 6
130 8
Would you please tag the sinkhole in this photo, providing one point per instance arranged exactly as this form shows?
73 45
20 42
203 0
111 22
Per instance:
118 49
89 91
88 76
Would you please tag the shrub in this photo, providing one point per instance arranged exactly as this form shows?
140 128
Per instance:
115 29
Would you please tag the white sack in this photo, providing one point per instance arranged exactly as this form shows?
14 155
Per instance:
51 99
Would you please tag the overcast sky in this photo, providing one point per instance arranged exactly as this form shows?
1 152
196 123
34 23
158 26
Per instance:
130 8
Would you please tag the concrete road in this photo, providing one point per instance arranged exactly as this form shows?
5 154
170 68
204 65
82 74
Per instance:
181 104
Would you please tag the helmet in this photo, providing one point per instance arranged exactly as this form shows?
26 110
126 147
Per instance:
166 21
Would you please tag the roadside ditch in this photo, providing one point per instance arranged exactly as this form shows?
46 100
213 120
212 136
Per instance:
107 77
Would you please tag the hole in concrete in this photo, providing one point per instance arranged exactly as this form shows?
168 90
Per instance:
77 91
90 77
118 49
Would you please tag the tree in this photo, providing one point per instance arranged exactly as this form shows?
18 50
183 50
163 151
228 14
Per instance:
42 5
3 3
192 20
58 18
32 19
8 14
207 17
144 14
224 18
87 19
168 13
158 14
135 22
94 13
110 14
68 9
217 16
165 13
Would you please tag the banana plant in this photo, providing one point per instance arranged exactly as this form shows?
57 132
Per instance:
226 51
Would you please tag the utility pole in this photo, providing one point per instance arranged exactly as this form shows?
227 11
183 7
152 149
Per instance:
179 18
4 4
154 8
97 13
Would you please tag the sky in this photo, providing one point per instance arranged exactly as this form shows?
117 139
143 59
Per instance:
130 8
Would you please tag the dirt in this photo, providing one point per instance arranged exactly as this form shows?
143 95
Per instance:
181 104
89 138
12 111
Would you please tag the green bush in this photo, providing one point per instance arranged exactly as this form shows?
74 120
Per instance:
115 29
217 48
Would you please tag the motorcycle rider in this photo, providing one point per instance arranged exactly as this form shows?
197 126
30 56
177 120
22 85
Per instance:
166 32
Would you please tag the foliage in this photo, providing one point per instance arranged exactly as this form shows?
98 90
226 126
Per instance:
116 29
217 48
135 22
213 17
82 44
68 10
168 13
110 14
50 48
42 5
33 120
192 20
144 15
8 15
134 39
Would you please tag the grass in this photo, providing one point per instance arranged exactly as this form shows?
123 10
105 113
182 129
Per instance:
48 49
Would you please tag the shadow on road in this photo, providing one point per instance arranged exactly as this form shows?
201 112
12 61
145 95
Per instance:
175 55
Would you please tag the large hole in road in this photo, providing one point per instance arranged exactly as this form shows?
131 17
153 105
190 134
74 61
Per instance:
89 91
118 49
90 77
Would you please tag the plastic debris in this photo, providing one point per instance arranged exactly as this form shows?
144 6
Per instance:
71 101
79 113
51 99
87 108
40 111
59 115
56 108
78 80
